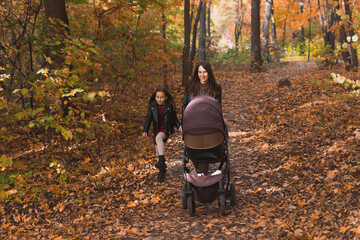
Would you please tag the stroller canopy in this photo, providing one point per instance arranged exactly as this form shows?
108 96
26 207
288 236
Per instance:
203 124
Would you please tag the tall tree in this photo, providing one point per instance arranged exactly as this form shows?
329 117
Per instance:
163 34
327 18
208 27
256 61
289 3
342 39
266 30
194 35
239 20
186 72
55 12
274 41
273 28
189 53
202 33
351 33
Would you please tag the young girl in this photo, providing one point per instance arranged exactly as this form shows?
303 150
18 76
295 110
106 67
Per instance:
161 113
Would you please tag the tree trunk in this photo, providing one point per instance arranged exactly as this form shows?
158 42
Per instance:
351 33
202 33
342 39
284 28
55 12
186 49
208 27
163 33
256 61
273 28
302 33
327 18
194 34
239 17
321 20
266 26
237 24
274 41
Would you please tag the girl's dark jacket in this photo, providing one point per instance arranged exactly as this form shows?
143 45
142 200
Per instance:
170 118
187 98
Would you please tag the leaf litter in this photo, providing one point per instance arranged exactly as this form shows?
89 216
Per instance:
294 153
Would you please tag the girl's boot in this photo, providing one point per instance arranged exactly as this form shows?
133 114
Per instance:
161 162
162 167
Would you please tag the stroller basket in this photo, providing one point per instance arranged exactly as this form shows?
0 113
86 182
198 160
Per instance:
205 187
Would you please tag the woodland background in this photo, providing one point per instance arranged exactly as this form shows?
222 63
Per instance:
75 79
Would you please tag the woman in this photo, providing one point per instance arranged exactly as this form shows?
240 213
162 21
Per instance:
202 83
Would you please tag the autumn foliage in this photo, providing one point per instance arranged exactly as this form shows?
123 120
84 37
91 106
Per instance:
73 164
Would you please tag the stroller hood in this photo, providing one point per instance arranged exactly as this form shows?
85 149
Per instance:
203 116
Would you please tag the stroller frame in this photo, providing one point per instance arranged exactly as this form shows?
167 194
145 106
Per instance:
225 189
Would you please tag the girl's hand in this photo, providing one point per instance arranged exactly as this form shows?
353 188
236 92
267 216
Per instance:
180 128
144 134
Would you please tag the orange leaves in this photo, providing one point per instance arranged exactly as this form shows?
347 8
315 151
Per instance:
332 174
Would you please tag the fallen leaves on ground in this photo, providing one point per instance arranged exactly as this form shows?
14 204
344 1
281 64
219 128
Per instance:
294 153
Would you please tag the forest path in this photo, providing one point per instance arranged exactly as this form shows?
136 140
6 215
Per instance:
290 162
294 156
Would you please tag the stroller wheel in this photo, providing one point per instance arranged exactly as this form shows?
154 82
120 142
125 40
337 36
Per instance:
222 199
183 196
232 194
191 204
222 204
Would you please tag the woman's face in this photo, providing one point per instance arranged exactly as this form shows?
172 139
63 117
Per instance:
203 75
160 98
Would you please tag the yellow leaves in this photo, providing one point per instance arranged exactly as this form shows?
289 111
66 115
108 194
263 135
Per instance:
82 69
357 231
60 207
301 203
348 186
87 160
133 204
132 230
331 174
315 215
209 225
130 168
298 232
3 195
156 200
48 59
344 229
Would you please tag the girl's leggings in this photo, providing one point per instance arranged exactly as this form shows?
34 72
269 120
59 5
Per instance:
160 145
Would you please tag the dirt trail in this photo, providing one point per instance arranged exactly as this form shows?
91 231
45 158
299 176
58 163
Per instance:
294 153
279 141
241 107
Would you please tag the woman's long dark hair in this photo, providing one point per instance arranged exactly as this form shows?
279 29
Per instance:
195 81
169 99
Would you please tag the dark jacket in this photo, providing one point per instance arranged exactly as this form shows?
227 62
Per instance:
187 98
170 118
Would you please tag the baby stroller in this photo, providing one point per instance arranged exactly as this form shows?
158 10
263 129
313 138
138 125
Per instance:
205 136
